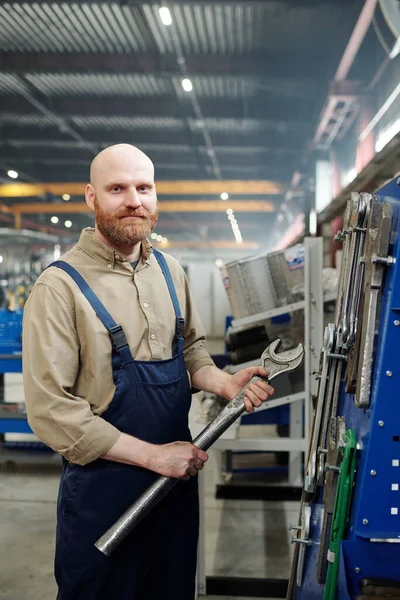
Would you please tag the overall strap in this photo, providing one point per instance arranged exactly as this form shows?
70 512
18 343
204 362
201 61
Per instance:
120 347
179 321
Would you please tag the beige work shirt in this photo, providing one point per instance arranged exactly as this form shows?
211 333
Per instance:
67 350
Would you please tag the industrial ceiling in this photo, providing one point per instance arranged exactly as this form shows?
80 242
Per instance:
76 77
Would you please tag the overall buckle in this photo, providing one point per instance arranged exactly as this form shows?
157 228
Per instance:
180 327
118 337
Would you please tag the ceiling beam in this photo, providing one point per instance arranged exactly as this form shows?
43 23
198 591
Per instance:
166 188
166 206
27 136
263 68
259 107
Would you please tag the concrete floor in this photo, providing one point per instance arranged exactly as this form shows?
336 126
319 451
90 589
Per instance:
243 538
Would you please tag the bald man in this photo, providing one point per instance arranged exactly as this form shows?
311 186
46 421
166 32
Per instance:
110 335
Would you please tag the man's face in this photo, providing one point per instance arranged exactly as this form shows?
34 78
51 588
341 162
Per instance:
125 204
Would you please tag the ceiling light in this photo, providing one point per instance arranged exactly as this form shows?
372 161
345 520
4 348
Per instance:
13 174
1 259
224 196
68 224
386 135
312 222
153 236
219 262
187 85
229 211
66 197
165 15
396 49
280 218
54 220
164 240
159 238
350 176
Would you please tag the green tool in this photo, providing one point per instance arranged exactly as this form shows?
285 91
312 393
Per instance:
341 511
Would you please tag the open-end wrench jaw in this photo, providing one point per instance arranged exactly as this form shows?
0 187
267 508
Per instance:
275 364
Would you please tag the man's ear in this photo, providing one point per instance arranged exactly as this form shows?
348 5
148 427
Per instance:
89 196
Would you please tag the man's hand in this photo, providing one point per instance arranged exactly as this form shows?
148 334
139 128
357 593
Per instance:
255 394
180 460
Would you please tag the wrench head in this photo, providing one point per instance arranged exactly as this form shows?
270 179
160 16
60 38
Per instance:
276 364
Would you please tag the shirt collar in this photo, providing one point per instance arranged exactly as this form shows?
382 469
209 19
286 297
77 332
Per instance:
99 251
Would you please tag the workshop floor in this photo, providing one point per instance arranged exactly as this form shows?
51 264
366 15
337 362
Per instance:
243 538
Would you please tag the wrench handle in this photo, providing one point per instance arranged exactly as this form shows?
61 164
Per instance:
162 485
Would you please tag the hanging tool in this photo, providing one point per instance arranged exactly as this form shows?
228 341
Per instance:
274 364
341 511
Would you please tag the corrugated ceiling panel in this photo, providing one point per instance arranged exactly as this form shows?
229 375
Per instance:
26 120
72 27
10 84
99 85
218 87
209 29
110 123
201 28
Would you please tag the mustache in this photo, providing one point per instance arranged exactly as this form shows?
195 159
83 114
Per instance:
138 212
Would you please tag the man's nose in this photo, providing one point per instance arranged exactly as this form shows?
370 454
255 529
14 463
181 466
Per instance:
132 199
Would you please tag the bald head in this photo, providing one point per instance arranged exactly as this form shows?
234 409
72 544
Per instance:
120 158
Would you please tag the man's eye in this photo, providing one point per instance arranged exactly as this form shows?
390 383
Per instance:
144 188
116 188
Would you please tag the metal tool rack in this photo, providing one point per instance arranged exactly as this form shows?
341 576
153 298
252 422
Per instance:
300 418
300 403
348 534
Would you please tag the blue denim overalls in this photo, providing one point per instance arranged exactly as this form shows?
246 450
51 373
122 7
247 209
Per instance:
157 561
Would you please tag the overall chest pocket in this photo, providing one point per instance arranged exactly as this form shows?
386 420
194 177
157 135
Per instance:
164 409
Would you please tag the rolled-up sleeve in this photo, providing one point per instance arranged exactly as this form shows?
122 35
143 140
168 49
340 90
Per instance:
195 352
62 420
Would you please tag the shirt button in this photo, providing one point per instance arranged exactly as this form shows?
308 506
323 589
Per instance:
153 337
109 266
145 304
117 256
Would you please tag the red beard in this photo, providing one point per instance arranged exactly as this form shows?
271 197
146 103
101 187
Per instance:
125 232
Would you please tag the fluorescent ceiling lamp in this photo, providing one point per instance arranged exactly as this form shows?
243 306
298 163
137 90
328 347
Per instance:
187 85
386 135
224 196
54 220
395 49
165 15
312 223
384 108
350 176
13 174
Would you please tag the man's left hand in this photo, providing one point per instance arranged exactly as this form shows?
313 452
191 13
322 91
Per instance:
255 394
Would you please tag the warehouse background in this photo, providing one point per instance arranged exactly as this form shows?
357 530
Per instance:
261 117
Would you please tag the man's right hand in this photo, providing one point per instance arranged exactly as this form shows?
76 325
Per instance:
180 460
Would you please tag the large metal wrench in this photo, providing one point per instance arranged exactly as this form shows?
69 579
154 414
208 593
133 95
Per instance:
274 364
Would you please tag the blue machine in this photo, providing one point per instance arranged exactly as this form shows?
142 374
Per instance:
10 341
12 418
348 534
